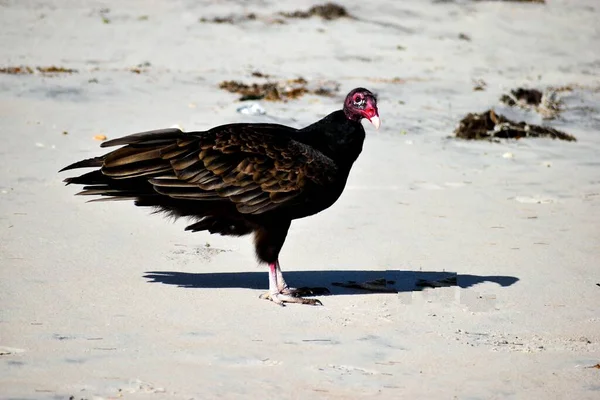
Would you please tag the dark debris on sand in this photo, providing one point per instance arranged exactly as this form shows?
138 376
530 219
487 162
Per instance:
229 19
276 91
26 70
528 96
491 126
547 103
327 11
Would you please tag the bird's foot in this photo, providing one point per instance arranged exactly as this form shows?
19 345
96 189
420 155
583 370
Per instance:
281 299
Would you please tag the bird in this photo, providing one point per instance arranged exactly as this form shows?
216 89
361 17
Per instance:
237 179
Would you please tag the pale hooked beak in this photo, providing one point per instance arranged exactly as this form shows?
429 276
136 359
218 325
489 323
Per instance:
375 121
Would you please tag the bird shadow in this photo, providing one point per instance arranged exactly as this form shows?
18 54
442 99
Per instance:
396 280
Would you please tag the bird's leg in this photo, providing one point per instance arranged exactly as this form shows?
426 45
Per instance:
281 285
280 293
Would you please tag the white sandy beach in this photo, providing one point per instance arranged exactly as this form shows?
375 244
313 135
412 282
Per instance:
104 301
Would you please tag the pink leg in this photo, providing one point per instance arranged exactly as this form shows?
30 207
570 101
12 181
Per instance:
281 285
278 289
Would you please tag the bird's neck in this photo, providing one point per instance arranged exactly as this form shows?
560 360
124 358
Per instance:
335 136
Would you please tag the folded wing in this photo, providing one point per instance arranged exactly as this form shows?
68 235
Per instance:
258 167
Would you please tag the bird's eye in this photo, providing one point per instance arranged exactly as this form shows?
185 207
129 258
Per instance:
359 100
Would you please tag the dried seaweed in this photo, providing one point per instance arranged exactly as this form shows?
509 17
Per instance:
258 74
464 36
55 70
230 19
491 126
327 11
275 91
546 103
17 70
26 70
526 96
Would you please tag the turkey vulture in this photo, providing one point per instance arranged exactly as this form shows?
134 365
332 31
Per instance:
238 179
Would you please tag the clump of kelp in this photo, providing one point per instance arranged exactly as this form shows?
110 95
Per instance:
493 127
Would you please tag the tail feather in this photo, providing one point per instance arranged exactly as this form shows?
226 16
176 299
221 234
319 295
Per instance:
148 138
102 199
91 178
94 162
142 171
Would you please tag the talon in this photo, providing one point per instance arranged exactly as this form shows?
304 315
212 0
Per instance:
272 297
280 299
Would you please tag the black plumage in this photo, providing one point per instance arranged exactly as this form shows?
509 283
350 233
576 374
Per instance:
237 179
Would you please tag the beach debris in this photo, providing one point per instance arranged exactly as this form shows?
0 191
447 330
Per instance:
278 91
464 36
597 366
522 96
327 11
26 70
55 70
546 103
376 285
258 74
508 155
443 282
141 67
100 137
230 19
17 70
251 109
479 85
491 126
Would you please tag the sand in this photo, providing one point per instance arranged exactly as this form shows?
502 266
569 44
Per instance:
103 301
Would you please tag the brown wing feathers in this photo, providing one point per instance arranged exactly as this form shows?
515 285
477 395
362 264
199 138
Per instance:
257 172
